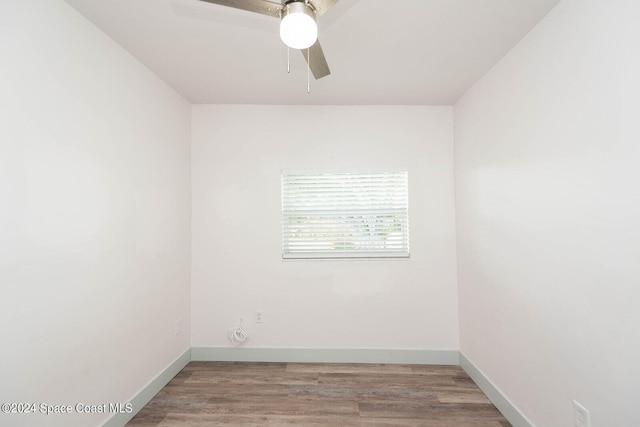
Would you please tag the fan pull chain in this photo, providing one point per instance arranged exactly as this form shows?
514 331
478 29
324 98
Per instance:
308 68
288 60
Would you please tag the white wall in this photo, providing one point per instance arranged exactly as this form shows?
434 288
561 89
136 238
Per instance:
94 216
237 155
548 215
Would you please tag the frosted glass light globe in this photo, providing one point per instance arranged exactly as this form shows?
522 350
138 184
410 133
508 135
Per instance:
298 28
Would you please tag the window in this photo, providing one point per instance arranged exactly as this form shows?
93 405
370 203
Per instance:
345 215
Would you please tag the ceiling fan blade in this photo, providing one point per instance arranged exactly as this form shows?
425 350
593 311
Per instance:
318 63
265 7
323 5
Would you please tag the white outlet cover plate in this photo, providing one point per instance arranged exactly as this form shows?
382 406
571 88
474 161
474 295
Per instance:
580 415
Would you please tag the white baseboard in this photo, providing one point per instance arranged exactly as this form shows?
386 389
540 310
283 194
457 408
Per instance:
495 395
320 355
151 389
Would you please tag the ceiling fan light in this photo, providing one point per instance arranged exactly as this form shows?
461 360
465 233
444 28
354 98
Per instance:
298 27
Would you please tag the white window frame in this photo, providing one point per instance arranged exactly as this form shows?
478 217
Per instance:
336 211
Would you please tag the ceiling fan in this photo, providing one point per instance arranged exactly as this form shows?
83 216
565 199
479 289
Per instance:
298 25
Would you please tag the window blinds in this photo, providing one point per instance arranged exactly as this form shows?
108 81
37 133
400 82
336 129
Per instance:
345 215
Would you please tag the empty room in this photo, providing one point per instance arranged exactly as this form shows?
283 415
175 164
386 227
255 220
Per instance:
322 212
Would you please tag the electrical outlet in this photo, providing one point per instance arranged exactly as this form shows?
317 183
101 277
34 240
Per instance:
580 415
178 327
259 317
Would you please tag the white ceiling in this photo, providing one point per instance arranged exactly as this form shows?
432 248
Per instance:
394 52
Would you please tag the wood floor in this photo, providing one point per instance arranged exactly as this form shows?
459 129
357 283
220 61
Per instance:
301 394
